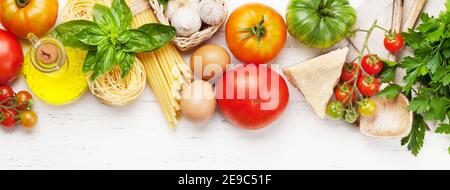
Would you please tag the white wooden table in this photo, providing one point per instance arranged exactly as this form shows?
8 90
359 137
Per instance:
90 135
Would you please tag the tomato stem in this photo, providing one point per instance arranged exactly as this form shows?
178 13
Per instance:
22 3
327 12
258 30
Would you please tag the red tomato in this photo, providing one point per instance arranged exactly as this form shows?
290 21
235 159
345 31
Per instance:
371 64
11 57
393 42
349 71
255 33
343 92
252 96
8 118
6 95
368 85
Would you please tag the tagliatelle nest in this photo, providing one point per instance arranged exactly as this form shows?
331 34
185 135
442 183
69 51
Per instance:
111 88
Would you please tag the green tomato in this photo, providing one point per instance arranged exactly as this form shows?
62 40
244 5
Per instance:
335 110
320 23
351 116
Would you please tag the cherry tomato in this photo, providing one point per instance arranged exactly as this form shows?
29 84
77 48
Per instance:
371 64
343 92
24 100
367 107
6 95
368 85
8 118
28 119
351 116
349 71
335 110
393 42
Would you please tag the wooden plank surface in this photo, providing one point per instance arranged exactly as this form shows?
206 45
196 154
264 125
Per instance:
90 135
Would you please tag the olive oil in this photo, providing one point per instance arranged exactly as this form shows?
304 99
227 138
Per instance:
54 73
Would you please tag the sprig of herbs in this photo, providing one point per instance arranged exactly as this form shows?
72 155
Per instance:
429 68
109 39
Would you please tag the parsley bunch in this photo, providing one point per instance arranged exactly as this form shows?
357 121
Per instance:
430 68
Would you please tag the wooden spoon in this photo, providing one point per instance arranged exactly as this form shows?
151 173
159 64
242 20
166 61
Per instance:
393 119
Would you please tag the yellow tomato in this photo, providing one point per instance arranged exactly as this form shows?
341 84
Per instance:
21 17
255 33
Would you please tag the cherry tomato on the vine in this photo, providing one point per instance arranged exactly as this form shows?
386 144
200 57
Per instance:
349 72
28 119
371 64
368 85
8 118
367 107
344 93
24 100
6 95
335 110
393 42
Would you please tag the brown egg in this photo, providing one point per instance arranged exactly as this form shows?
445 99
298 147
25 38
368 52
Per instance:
198 102
209 62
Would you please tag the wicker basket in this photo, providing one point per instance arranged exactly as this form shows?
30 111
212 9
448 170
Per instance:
186 43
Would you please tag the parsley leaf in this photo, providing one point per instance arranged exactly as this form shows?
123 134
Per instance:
415 139
390 92
443 129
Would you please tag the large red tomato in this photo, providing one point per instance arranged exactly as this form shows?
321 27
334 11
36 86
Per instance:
252 96
11 57
255 33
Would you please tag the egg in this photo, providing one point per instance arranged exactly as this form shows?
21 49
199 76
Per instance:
198 102
210 62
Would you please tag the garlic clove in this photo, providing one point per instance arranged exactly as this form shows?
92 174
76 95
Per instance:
186 21
211 12
174 5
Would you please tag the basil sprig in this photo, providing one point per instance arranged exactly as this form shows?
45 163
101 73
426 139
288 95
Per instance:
109 39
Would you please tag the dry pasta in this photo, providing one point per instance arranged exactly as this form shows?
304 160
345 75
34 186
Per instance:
167 72
110 89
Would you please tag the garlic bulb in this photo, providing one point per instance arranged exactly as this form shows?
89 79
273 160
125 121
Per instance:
186 21
174 5
211 12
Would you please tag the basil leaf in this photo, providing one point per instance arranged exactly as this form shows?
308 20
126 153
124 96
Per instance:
104 18
122 13
164 3
125 61
162 34
92 36
149 37
66 33
89 61
105 60
124 37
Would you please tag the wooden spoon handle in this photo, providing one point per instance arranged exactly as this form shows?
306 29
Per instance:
414 15
397 15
